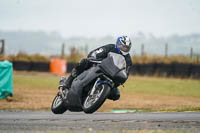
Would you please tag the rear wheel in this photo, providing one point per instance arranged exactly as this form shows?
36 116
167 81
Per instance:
57 106
93 102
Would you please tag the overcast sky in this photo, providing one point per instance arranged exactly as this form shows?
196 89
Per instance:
93 18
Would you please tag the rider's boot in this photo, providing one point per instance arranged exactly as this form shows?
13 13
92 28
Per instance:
114 94
62 81
68 82
71 77
64 85
67 86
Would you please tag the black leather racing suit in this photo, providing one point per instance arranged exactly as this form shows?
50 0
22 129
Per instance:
102 52
99 53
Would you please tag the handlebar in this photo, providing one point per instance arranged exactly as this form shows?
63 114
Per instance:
90 59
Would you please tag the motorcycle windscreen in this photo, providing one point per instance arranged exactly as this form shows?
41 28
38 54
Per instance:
115 66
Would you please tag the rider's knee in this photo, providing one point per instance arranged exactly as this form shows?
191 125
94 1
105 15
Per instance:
74 72
83 64
115 94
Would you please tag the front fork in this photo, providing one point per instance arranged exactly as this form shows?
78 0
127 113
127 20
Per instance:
61 92
94 87
99 81
61 86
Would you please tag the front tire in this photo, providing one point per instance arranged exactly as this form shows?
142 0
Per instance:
94 102
57 106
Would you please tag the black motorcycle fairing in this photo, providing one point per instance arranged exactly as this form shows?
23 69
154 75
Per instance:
120 77
74 101
115 67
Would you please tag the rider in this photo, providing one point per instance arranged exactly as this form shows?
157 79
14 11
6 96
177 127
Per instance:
122 46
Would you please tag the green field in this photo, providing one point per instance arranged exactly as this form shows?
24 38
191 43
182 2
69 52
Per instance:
35 91
164 86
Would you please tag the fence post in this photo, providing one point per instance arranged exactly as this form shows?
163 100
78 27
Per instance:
2 51
166 50
142 50
191 53
63 50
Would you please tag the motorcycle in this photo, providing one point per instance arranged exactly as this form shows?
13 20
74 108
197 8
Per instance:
91 88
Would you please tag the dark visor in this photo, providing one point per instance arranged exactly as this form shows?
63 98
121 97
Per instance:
124 48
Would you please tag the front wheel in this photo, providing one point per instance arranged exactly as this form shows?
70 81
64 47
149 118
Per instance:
57 106
93 102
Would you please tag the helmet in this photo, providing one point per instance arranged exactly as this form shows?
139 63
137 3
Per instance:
123 44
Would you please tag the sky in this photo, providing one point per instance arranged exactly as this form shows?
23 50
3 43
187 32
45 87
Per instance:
97 18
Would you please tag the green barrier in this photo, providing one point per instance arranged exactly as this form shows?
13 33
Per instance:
6 79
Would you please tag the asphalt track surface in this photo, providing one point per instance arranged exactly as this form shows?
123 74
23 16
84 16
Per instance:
32 121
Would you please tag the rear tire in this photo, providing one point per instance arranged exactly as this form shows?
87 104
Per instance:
57 106
95 106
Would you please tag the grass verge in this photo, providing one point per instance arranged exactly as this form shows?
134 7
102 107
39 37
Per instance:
35 91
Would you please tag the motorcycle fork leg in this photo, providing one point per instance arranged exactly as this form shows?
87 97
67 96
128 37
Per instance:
61 92
94 87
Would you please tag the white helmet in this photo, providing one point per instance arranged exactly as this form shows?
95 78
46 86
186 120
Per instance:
124 44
